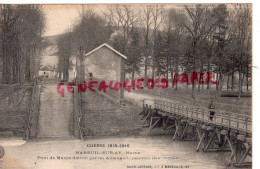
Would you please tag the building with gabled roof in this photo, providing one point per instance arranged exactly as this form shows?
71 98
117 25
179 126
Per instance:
47 71
106 63
109 47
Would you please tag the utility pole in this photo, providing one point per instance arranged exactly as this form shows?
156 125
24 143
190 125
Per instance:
80 65
81 68
36 63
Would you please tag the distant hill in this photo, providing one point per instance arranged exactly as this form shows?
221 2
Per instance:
49 55
51 40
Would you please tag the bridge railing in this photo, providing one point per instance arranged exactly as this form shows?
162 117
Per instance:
33 114
167 94
236 121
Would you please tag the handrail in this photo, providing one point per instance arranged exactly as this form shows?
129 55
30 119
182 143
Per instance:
12 116
235 121
203 108
28 128
30 114
238 108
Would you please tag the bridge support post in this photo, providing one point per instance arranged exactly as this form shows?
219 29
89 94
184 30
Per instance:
177 126
219 136
144 111
165 122
201 136
240 151
152 125
189 124
211 135
170 122
184 130
148 114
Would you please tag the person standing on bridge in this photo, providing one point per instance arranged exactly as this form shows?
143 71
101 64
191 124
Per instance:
211 110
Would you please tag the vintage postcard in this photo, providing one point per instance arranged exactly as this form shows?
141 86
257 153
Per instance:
119 86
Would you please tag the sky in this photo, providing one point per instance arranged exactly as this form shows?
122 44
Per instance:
60 18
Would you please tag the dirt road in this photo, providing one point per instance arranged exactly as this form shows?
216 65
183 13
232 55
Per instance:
55 113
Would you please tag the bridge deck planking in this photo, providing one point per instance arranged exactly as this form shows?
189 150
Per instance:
239 122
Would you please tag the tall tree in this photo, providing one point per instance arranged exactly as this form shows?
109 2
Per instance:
123 19
199 24
147 21
242 33
134 53
161 54
89 31
64 45
220 14
22 29
157 15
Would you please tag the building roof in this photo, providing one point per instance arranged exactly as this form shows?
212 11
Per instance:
109 47
46 68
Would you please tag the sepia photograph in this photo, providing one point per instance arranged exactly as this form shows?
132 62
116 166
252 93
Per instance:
118 86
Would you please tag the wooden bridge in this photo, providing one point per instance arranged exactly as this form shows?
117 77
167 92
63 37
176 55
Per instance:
223 132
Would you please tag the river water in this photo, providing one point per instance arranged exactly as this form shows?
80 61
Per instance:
148 152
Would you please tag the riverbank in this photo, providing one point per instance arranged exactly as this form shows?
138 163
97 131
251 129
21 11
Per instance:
106 118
